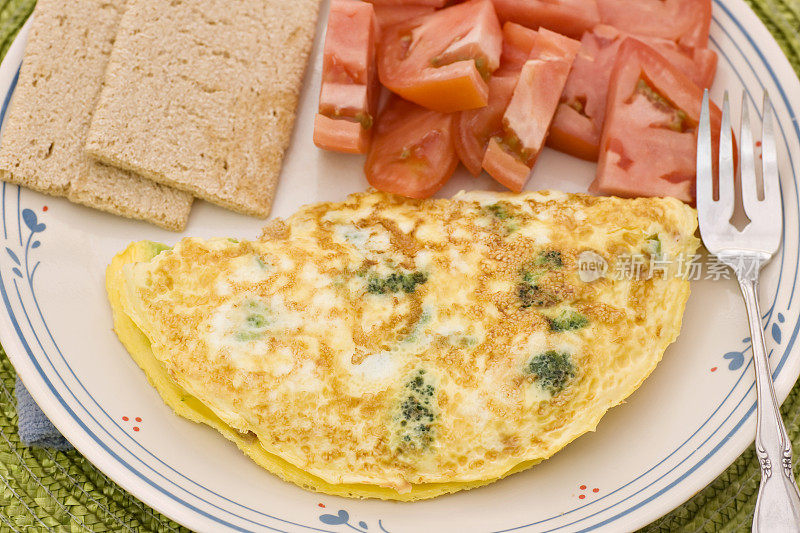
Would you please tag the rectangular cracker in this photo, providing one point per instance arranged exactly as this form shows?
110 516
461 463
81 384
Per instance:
201 95
43 141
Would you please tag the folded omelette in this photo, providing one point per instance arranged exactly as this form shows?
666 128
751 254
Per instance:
401 349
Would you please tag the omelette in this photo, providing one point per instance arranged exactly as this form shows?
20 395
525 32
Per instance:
403 349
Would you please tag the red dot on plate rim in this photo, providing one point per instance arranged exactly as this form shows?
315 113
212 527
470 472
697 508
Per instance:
595 490
136 428
582 496
125 418
321 505
44 208
138 419
714 369
583 487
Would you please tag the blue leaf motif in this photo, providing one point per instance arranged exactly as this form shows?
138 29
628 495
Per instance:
36 244
746 340
363 525
776 333
32 222
335 520
16 271
736 358
781 318
13 256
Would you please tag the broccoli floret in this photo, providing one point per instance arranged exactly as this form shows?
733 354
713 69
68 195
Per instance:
256 320
532 295
550 259
396 282
157 248
505 216
545 262
552 370
499 211
530 291
653 245
568 320
416 415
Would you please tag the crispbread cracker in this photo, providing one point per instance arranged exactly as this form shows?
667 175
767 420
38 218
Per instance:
201 95
45 132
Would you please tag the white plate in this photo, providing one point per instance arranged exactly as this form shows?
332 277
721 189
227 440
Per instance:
688 422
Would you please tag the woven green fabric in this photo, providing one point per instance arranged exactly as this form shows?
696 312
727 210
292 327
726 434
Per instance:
60 491
42 490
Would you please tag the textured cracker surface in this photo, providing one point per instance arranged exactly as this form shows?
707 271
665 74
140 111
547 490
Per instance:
44 135
201 95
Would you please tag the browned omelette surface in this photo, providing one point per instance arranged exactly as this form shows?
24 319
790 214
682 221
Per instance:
394 343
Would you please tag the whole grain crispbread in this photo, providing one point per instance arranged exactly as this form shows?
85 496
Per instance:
45 132
201 95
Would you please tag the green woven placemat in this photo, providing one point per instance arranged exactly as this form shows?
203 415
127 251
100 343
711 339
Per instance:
44 490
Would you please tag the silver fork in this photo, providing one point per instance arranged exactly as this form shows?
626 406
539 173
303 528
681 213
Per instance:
778 504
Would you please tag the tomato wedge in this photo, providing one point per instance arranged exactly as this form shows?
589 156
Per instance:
578 123
442 61
413 152
649 140
686 22
568 17
349 94
530 112
390 14
518 42
429 3
476 126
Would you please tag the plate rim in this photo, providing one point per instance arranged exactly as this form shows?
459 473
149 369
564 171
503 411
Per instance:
68 424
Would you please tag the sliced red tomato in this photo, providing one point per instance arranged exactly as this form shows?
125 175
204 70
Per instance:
476 127
442 61
413 152
649 139
518 42
578 123
686 22
350 40
530 112
350 89
340 135
568 17
390 14
429 3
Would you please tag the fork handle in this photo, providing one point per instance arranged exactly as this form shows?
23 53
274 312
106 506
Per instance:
778 504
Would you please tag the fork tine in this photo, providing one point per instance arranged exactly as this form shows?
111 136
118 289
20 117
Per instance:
705 172
769 155
726 166
747 163
772 205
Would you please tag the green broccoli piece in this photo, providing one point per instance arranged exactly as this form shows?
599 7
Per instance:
416 415
532 295
396 282
499 211
552 370
550 259
653 245
568 320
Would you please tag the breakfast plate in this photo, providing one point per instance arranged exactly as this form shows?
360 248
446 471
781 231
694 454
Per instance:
685 425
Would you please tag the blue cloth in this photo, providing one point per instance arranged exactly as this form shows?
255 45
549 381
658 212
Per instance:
35 429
